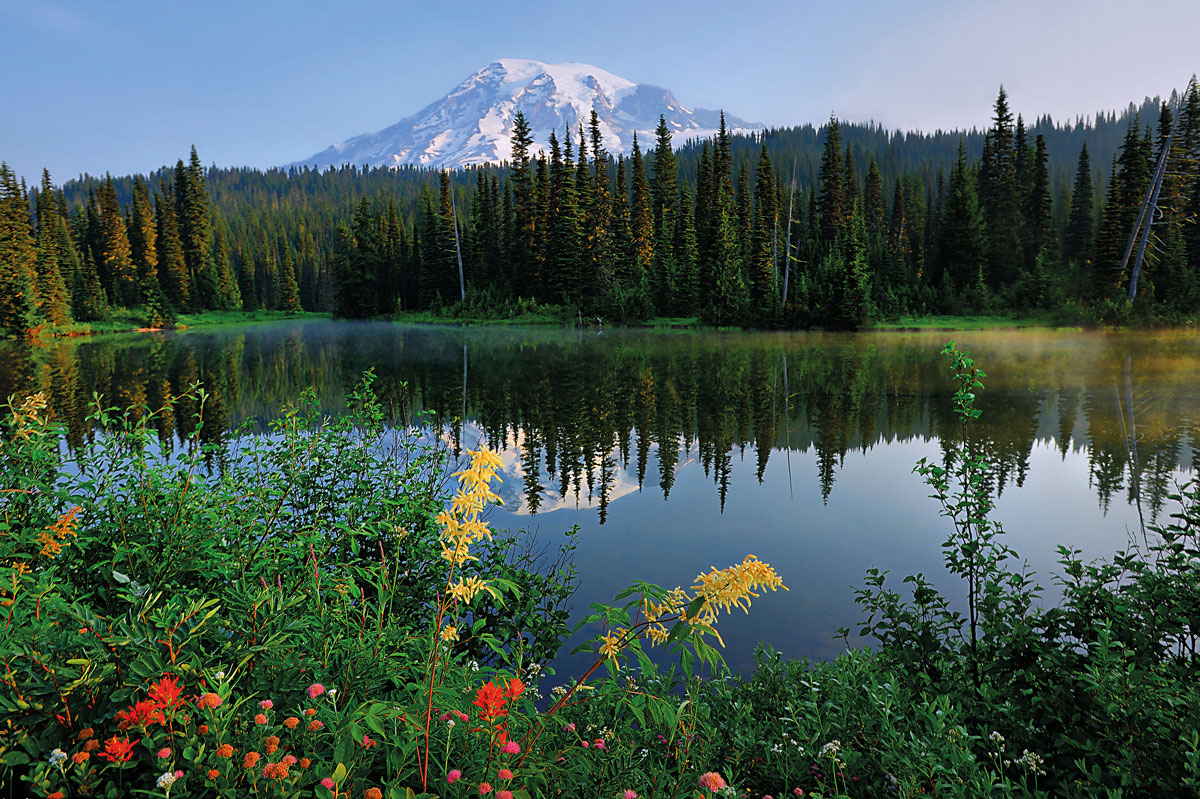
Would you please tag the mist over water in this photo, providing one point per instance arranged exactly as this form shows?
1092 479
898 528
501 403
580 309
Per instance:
675 452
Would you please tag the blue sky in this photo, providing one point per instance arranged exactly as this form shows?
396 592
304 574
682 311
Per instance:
128 86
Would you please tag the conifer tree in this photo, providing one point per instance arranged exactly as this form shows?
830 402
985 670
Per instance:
874 213
685 298
172 267
143 236
850 304
289 291
641 218
229 293
666 178
116 264
18 257
564 264
831 202
999 198
962 232
523 210
1110 240
598 220
762 249
541 229
851 181
195 230
247 281
53 302
1038 204
1081 223
744 209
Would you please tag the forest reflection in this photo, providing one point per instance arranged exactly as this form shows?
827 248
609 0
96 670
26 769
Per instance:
577 411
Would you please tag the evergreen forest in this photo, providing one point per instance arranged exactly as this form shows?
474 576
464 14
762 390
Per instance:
839 227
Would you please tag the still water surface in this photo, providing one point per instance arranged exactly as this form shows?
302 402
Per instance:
675 452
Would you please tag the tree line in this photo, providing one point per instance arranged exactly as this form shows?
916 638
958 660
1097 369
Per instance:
720 229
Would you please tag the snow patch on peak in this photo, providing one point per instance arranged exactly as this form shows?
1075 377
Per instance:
473 123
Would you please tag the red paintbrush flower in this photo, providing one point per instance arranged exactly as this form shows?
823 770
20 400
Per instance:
118 750
515 688
167 693
142 713
490 701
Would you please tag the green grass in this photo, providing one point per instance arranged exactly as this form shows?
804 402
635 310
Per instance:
672 321
225 318
538 317
960 323
130 320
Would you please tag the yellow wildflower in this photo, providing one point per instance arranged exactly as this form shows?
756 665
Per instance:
466 590
457 554
52 536
612 644
450 633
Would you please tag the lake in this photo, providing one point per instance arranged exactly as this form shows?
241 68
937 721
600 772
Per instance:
675 452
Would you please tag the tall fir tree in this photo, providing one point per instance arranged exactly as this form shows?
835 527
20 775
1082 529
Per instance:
55 257
117 269
289 289
763 262
172 266
641 217
18 257
229 293
523 212
195 231
999 199
665 189
1079 241
831 201
564 264
962 236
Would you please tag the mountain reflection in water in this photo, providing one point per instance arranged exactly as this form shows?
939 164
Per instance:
749 438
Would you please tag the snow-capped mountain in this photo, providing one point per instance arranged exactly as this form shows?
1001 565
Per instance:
473 123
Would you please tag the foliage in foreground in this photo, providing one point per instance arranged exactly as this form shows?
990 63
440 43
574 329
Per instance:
310 619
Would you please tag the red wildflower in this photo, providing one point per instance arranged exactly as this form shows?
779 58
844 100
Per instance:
490 701
271 744
315 725
79 757
167 693
515 688
290 722
224 750
85 733
372 793
142 713
250 759
259 718
213 773
55 795
118 750
305 762
368 741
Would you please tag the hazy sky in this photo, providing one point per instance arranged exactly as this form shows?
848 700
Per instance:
129 86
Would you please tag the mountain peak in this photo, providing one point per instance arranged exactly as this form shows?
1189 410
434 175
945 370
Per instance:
472 124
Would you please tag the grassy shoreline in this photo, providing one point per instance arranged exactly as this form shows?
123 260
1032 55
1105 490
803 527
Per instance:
130 321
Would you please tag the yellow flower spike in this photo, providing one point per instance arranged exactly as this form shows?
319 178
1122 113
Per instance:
486 457
466 590
611 645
